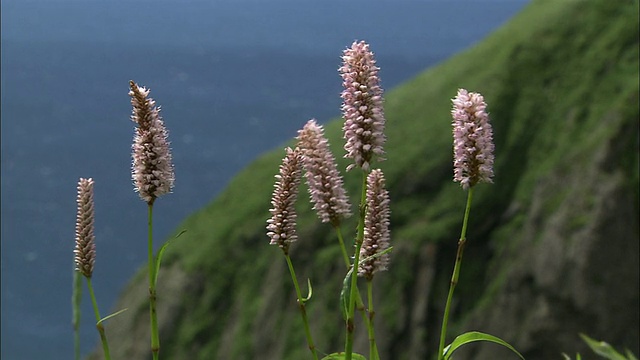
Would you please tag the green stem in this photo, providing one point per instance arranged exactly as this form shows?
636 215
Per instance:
76 298
373 349
99 326
456 273
348 347
155 338
303 310
359 302
345 256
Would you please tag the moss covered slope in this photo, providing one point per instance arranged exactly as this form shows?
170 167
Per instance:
553 243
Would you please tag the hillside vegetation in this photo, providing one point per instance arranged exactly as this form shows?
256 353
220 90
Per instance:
553 244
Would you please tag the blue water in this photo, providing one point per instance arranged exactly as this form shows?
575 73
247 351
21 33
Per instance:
234 79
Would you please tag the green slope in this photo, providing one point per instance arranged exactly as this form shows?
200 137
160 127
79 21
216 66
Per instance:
561 83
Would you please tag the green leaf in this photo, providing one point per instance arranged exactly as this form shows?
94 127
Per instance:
112 315
341 356
310 291
346 283
160 253
344 300
473 336
376 255
602 348
630 355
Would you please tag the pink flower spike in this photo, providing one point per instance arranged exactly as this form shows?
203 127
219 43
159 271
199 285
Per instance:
85 249
152 169
325 184
472 140
281 227
362 107
376 226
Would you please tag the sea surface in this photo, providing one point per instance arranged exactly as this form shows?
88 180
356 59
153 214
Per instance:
233 78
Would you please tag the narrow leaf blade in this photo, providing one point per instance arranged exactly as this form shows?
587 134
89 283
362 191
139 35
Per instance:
341 356
474 336
160 253
344 300
310 291
112 315
602 348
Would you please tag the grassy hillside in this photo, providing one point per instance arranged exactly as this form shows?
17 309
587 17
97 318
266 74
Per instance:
561 83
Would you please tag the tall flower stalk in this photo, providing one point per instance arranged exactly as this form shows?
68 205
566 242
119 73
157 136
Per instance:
376 227
375 242
281 227
85 253
472 140
327 193
473 163
364 140
362 110
326 188
153 176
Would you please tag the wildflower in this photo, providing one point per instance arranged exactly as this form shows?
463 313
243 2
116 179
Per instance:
326 188
362 106
152 170
85 249
282 224
472 140
376 226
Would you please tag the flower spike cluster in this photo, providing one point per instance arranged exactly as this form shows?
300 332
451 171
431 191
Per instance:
362 107
281 227
152 169
326 188
472 140
85 249
376 226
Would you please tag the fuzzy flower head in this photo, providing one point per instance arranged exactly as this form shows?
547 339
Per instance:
362 107
326 188
472 140
152 169
376 226
85 249
281 227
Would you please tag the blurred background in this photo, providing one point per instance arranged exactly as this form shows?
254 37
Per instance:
233 78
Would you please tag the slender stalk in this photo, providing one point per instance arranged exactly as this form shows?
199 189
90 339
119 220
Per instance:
348 347
359 302
303 310
99 326
456 273
345 256
76 298
373 349
155 338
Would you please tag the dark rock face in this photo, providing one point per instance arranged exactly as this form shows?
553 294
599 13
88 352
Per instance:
572 264
574 269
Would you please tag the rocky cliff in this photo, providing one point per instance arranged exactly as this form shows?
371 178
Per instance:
553 245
